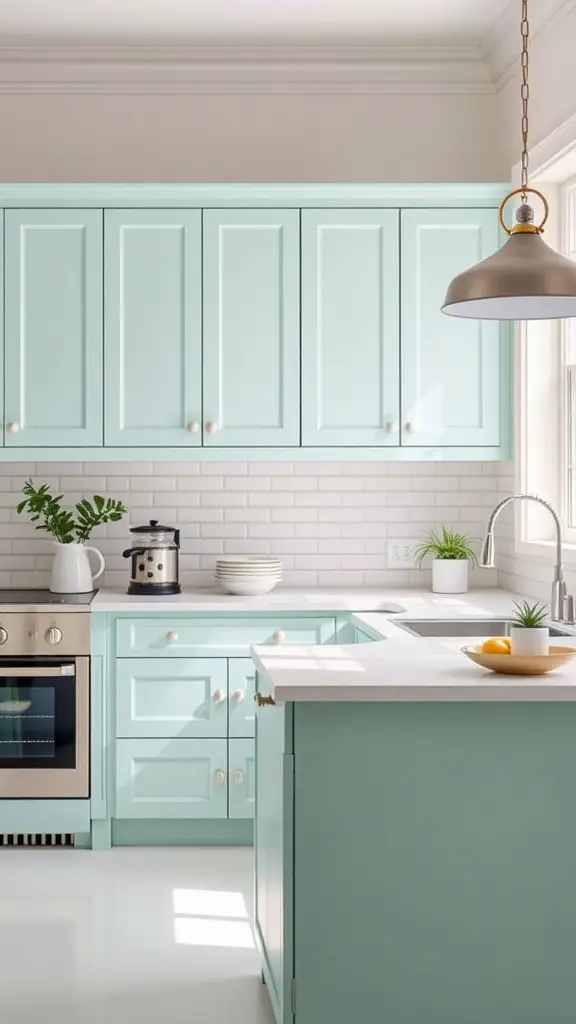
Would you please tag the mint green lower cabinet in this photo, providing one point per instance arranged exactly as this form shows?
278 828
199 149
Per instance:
433 871
241 707
179 778
178 697
241 778
274 856
144 637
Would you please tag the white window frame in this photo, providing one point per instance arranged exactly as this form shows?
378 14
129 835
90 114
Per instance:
543 352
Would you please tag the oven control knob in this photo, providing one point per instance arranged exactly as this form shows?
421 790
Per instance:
3 635
53 635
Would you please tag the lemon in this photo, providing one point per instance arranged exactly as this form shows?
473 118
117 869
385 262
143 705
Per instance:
497 645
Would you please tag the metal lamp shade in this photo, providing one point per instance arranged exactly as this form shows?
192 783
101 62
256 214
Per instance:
524 280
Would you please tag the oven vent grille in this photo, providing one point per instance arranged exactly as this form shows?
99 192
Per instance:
14 839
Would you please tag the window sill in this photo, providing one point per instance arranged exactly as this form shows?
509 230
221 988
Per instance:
545 551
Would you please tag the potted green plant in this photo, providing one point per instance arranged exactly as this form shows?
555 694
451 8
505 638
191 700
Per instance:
529 633
451 555
71 572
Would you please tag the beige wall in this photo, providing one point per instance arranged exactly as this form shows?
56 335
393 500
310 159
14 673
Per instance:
324 138
552 87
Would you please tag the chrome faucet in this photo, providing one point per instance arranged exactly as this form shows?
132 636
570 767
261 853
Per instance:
558 584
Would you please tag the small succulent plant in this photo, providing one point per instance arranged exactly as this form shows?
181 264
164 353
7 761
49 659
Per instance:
445 544
529 616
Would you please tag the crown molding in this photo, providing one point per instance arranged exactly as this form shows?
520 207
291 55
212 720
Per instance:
501 47
221 70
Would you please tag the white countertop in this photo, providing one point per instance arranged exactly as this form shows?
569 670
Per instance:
402 667
280 600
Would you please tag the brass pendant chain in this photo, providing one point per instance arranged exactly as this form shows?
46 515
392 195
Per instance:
525 96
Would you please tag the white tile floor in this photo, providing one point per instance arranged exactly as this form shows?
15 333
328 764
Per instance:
153 936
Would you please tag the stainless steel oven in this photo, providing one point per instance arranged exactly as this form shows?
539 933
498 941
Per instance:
44 705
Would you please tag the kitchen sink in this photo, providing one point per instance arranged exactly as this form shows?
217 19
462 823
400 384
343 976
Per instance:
463 627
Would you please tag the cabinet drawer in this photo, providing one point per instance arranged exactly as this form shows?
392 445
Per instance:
241 778
171 778
178 697
180 638
241 708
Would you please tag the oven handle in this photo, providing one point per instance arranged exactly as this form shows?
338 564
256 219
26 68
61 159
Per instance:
29 670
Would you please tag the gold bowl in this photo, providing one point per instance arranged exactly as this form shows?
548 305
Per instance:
521 664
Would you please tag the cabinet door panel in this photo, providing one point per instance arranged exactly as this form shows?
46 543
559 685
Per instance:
450 365
153 327
241 778
251 327
53 327
179 697
171 778
242 710
350 361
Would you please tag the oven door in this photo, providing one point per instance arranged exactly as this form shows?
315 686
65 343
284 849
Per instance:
44 721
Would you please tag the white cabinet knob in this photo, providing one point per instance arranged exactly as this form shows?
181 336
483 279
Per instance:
391 428
238 778
12 428
219 777
193 427
219 697
211 427
172 637
238 696
279 636
410 428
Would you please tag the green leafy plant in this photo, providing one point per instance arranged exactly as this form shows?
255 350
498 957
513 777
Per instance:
445 544
65 525
529 616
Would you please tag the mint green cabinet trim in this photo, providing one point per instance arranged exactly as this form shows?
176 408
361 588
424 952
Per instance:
241 778
182 698
53 328
100 835
450 367
251 351
241 709
171 778
179 832
350 328
153 302
98 745
452 453
44 816
286 194
2 293
274 854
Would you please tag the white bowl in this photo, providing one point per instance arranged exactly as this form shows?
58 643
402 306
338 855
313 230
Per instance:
252 573
256 561
249 588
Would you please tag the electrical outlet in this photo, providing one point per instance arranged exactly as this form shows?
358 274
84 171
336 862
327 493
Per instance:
401 553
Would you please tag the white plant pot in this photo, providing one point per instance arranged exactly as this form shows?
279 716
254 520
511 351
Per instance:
450 575
71 570
529 641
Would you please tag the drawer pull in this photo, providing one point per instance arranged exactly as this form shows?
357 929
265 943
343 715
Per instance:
219 777
211 427
279 636
238 778
219 697
172 637
238 696
264 702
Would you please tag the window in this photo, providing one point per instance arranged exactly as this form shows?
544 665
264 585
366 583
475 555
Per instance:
568 363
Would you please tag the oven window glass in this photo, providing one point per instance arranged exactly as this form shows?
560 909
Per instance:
37 721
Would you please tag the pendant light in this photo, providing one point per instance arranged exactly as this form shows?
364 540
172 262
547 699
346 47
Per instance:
525 279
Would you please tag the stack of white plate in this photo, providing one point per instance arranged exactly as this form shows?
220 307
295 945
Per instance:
248 575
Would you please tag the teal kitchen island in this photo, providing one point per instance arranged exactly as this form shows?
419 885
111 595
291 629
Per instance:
415 837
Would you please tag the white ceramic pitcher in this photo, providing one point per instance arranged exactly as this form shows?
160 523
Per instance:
71 570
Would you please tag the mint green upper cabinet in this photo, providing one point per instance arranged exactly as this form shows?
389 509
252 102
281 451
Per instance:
153 285
450 366
350 327
53 328
251 328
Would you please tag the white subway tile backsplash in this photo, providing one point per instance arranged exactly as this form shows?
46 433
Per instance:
327 521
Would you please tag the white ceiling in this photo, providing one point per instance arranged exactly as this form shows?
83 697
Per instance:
394 21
